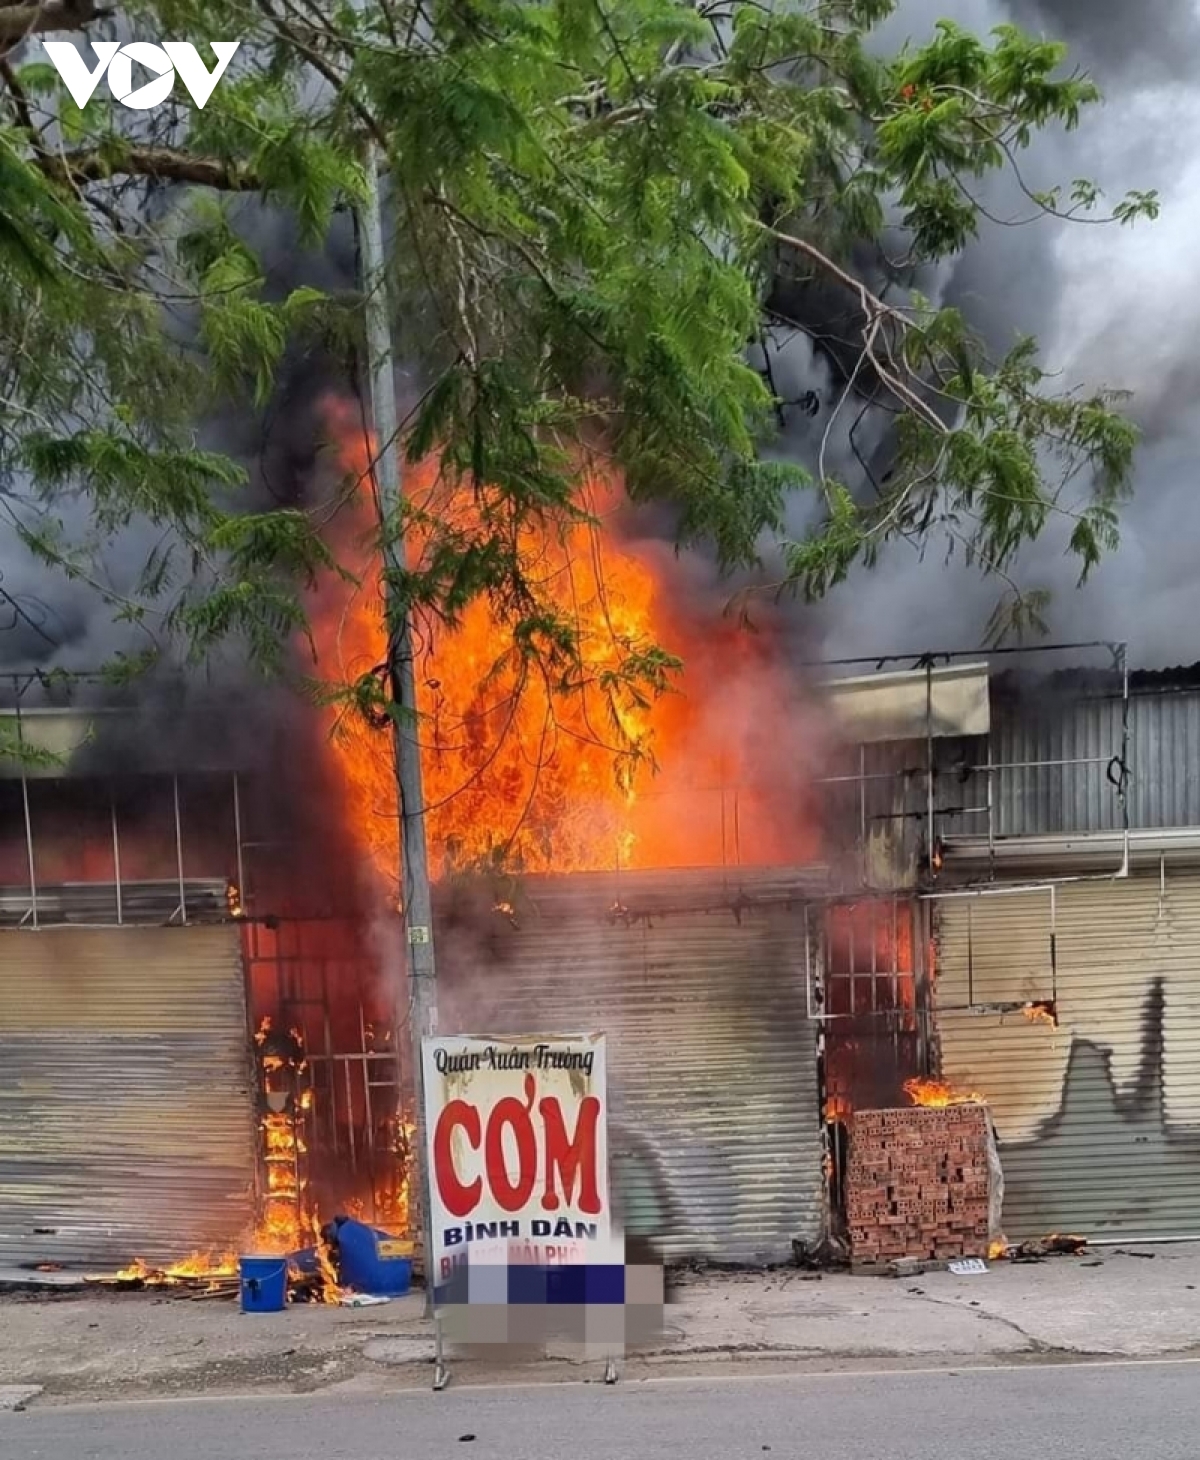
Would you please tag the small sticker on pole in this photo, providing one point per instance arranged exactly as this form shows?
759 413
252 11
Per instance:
418 935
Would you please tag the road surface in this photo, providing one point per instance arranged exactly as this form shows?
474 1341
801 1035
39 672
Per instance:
1126 1411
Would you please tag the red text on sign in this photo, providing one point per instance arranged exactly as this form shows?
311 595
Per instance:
566 1163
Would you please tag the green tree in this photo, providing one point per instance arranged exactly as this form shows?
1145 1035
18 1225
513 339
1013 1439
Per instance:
589 200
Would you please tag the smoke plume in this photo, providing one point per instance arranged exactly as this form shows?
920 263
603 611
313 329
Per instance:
1109 305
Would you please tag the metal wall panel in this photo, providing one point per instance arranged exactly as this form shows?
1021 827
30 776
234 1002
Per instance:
1051 770
127 1123
712 1059
1098 1119
1163 761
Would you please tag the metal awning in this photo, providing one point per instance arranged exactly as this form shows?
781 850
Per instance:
913 704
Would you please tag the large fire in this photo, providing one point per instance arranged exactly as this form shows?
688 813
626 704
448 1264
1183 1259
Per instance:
600 757
579 765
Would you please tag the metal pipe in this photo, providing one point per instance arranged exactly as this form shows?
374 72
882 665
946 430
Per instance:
237 836
929 759
1037 765
1054 948
350 1118
982 767
946 810
950 654
855 780
116 839
179 856
862 796
1047 884
329 1056
33 898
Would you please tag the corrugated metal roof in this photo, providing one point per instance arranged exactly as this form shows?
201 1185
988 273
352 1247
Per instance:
126 1107
1099 1119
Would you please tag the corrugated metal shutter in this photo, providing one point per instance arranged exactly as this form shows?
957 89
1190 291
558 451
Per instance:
712 1060
126 1111
1099 1119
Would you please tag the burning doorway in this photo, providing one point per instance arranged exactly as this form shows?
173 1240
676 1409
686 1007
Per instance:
868 989
335 1135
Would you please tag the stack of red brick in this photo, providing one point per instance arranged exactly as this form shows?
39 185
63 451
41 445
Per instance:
917 1183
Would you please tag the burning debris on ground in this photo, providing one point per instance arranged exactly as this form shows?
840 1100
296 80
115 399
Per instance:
310 1253
1038 1250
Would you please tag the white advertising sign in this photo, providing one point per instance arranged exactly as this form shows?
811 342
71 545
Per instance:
516 1135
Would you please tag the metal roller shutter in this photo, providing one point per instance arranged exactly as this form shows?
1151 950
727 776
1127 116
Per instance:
1099 1118
126 1108
712 1059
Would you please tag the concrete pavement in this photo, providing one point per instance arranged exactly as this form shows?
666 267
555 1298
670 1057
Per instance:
1128 1411
136 1345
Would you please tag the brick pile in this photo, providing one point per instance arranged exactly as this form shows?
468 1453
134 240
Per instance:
917 1183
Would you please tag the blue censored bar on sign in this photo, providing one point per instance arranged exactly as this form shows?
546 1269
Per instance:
580 1284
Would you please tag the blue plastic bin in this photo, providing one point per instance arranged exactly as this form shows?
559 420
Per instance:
369 1261
263 1284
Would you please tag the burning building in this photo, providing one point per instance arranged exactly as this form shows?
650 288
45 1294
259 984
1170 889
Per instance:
784 894
1066 988
229 864
193 1041
206 1033
1050 839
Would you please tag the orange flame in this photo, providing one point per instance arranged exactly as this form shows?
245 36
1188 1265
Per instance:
556 770
938 1095
331 1291
199 1265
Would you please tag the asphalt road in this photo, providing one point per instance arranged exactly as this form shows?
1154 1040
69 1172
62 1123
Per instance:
1063 1412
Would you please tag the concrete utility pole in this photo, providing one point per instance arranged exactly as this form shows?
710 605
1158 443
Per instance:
416 904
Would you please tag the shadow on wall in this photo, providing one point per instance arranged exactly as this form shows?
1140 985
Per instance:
641 1195
1106 1164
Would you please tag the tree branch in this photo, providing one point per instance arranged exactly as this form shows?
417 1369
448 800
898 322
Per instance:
874 310
20 100
167 163
329 72
19 21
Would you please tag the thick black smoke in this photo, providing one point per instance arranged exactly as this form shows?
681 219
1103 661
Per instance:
219 713
1110 306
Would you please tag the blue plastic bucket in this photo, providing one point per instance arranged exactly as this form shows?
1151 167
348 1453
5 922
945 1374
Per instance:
263 1284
